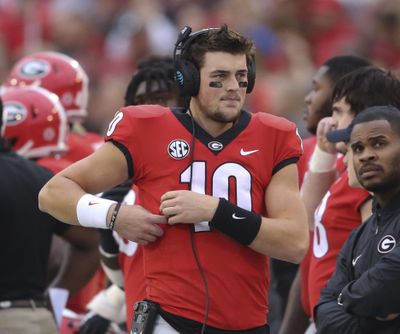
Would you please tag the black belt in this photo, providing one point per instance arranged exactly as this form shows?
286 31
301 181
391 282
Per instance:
21 303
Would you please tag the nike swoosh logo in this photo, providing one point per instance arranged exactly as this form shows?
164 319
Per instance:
243 152
237 217
93 203
355 260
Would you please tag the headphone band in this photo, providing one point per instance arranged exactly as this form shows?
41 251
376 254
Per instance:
185 38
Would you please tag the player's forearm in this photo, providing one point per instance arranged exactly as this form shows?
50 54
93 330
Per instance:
283 239
315 186
331 318
59 198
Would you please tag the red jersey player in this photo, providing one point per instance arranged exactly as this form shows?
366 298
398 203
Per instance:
215 177
343 207
318 106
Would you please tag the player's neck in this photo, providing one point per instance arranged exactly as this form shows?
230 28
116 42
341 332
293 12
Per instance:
212 127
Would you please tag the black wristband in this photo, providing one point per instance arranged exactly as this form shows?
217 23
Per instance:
240 224
114 216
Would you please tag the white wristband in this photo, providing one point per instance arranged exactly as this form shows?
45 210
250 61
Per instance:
92 211
322 161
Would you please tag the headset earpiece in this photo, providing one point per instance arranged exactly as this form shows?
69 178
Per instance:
251 74
188 77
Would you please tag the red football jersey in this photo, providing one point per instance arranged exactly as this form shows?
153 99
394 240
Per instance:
131 262
164 155
82 145
337 215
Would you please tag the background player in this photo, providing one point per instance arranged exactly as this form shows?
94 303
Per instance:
318 105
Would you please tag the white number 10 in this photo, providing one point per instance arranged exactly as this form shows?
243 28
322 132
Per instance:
220 185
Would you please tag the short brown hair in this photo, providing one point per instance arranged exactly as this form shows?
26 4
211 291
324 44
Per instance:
215 40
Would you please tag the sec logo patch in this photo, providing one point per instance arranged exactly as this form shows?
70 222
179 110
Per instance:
178 149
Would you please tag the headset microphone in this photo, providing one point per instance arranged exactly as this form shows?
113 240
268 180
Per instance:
183 36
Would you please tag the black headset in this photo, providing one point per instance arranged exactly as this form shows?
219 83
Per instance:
187 75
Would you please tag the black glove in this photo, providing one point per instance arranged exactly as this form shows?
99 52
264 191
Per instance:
95 325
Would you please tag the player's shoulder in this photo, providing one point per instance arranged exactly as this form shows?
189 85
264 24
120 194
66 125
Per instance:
145 111
275 122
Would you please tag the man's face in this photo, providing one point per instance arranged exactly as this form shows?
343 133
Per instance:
348 161
222 104
342 116
376 156
318 100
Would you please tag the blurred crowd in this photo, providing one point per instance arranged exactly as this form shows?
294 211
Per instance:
110 37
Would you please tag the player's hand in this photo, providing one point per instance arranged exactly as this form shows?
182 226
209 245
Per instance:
183 206
139 225
95 325
326 125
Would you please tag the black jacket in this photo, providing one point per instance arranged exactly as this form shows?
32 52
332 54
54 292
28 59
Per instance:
26 232
366 282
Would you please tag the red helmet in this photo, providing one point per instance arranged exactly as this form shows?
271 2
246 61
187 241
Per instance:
34 121
59 74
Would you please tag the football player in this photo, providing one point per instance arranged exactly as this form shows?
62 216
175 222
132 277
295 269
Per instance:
211 183
318 105
342 208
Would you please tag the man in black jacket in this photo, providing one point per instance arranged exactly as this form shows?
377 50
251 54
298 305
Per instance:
363 294
25 241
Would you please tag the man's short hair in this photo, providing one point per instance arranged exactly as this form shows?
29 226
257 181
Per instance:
368 86
374 113
224 40
339 66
